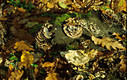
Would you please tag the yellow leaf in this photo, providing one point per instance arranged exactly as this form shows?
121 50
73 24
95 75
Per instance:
35 71
52 76
117 36
91 77
22 45
27 58
108 42
11 67
48 64
123 63
50 5
16 75
21 10
119 5
122 5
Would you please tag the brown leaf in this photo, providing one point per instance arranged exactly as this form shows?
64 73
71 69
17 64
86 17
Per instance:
22 45
48 64
123 67
21 10
16 75
118 5
117 36
49 67
108 42
123 63
52 76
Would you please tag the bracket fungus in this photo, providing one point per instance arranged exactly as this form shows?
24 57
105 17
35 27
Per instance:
74 27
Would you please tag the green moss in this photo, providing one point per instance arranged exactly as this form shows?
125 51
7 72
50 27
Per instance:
60 19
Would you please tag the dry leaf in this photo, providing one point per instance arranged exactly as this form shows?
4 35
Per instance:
21 10
117 36
50 5
22 45
16 75
49 67
35 71
123 63
11 67
48 64
108 42
27 58
123 67
52 76
119 5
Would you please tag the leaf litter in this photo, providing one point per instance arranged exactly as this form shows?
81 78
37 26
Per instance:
36 40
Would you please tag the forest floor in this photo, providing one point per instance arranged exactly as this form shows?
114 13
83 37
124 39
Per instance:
63 39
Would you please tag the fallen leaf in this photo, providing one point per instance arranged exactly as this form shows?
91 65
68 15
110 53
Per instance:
48 64
50 5
21 10
22 45
16 75
52 76
27 58
119 5
123 63
117 36
36 71
108 42
123 67
11 67
62 5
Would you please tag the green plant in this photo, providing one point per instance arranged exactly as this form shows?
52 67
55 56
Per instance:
60 19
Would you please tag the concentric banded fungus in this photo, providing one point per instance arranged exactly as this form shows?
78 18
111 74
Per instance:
74 27
43 35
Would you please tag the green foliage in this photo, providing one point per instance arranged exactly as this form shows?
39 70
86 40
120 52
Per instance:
60 19
34 65
13 57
